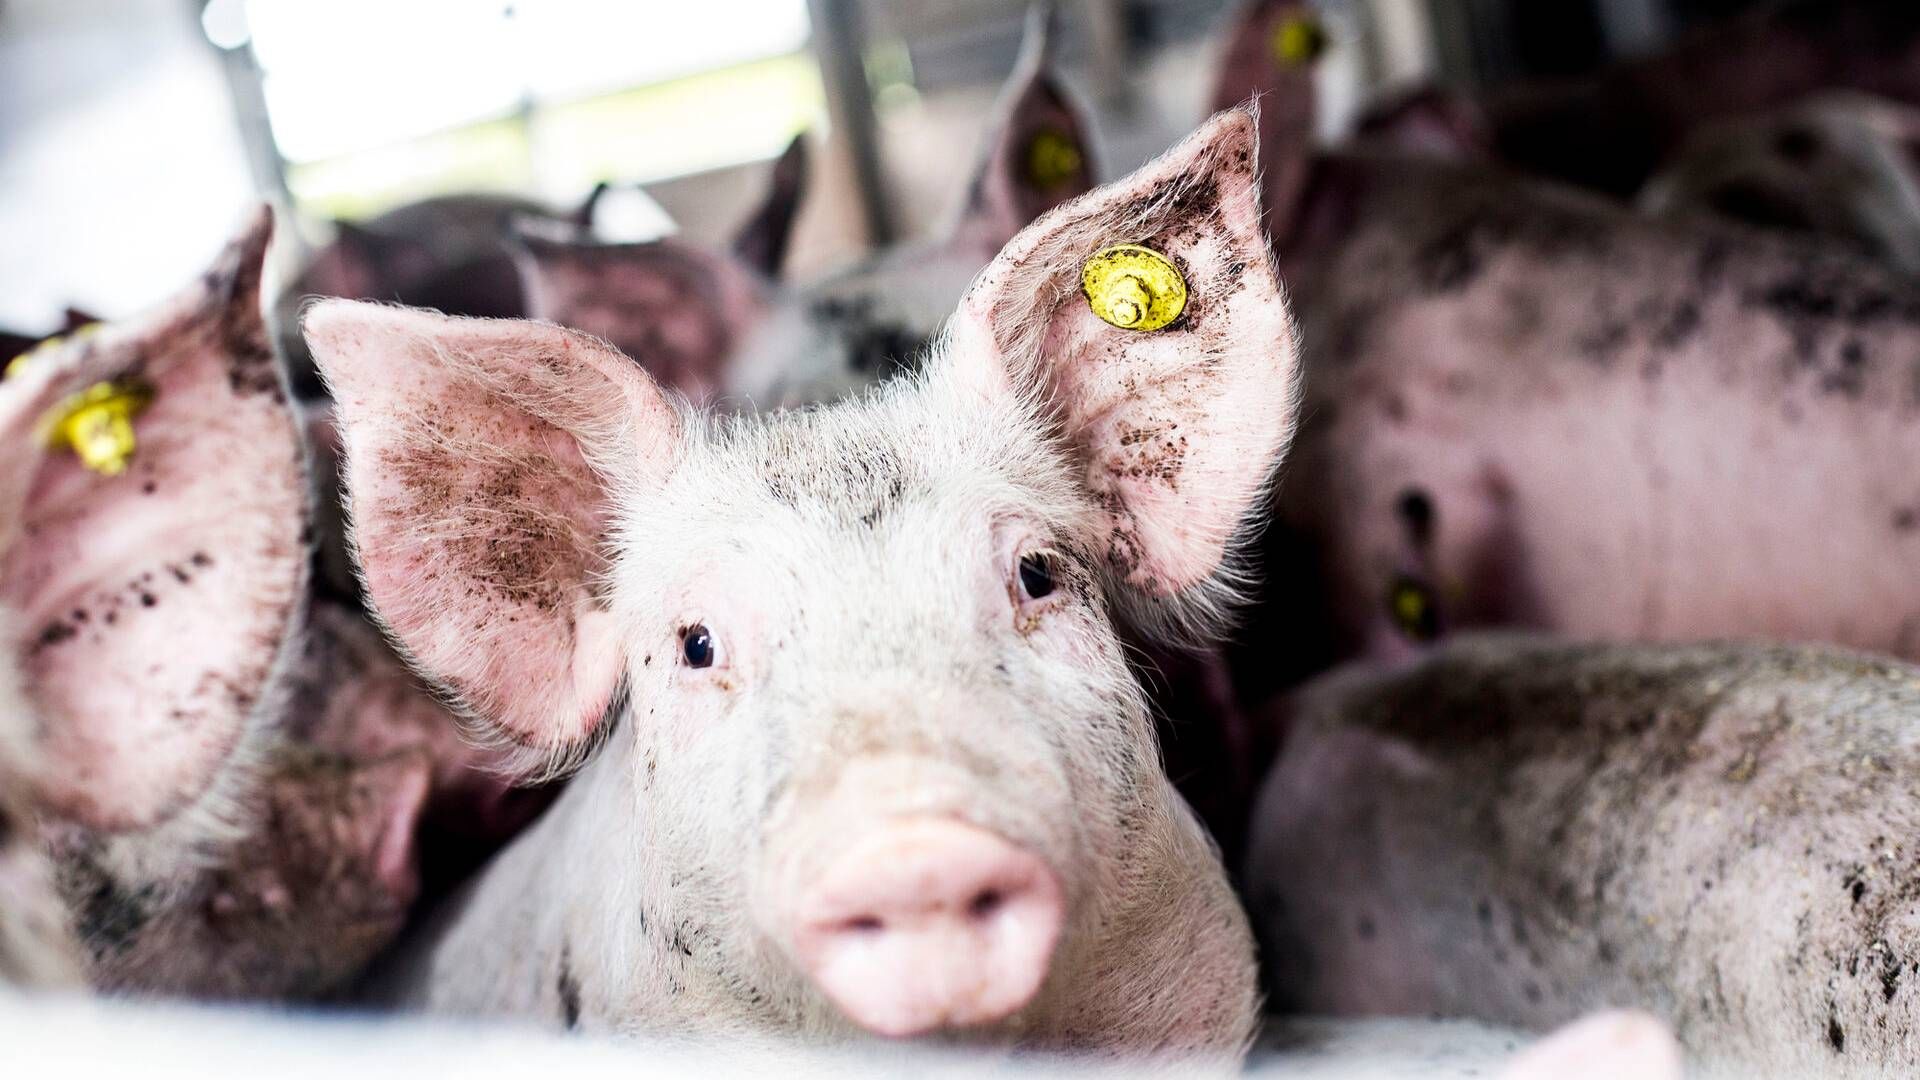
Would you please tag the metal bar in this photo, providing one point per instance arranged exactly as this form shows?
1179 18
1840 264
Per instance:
839 46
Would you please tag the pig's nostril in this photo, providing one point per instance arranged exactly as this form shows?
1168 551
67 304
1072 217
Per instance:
928 924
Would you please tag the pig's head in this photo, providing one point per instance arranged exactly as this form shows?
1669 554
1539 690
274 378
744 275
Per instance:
678 309
151 551
823 341
1271 53
863 742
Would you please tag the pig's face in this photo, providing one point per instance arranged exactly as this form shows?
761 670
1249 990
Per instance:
852 675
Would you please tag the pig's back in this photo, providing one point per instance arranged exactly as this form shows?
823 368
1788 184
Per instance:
1626 429
1521 831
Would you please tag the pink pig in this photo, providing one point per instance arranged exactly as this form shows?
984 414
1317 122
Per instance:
858 743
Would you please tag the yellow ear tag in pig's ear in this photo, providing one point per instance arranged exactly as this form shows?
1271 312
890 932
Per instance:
19 363
1134 288
1053 158
97 423
1298 40
1415 614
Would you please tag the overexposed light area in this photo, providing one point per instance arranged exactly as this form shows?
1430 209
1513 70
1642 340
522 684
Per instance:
344 76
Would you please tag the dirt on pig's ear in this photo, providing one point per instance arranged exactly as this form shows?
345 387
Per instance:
483 459
1148 320
152 543
1036 155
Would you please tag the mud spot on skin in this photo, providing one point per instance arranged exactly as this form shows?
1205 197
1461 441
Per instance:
568 989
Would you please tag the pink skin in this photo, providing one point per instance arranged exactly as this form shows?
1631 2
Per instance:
929 924
1521 830
226 821
1605 1046
153 601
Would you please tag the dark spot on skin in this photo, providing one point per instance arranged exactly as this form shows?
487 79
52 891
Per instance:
109 917
1836 1037
568 989
55 633
147 599
1415 510
1798 145
1366 928
1905 518
1856 888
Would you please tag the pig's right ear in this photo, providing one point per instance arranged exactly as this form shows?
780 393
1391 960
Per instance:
1273 49
484 458
1148 322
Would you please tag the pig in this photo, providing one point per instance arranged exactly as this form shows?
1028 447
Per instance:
1844 165
448 252
769 644
1611 130
153 591
711 325
1521 829
1530 406
678 309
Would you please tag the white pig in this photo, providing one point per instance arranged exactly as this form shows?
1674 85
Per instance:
859 745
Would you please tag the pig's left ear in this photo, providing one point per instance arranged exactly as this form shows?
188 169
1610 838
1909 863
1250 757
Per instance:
763 238
484 462
1036 155
152 503
1148 319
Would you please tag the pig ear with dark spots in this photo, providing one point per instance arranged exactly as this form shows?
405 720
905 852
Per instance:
1272 53
678 310
763 238
1147 316
483 459
1036 155
152 503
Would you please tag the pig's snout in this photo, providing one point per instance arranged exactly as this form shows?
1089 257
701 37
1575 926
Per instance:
929 924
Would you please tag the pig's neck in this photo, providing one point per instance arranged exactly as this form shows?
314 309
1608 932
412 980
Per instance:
541 932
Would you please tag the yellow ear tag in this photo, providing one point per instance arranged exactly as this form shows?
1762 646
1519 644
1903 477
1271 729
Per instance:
1052 159
1134 288
97 423
1413 609
1298 40
19 363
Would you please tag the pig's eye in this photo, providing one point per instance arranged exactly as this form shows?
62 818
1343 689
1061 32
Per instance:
696 644
1036 575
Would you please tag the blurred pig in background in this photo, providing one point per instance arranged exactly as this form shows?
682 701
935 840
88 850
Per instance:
223 821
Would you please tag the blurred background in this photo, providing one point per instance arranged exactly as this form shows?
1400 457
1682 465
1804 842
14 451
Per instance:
133 132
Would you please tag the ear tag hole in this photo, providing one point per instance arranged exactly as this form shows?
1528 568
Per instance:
97 424
1133 287
1298 40
1053 158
